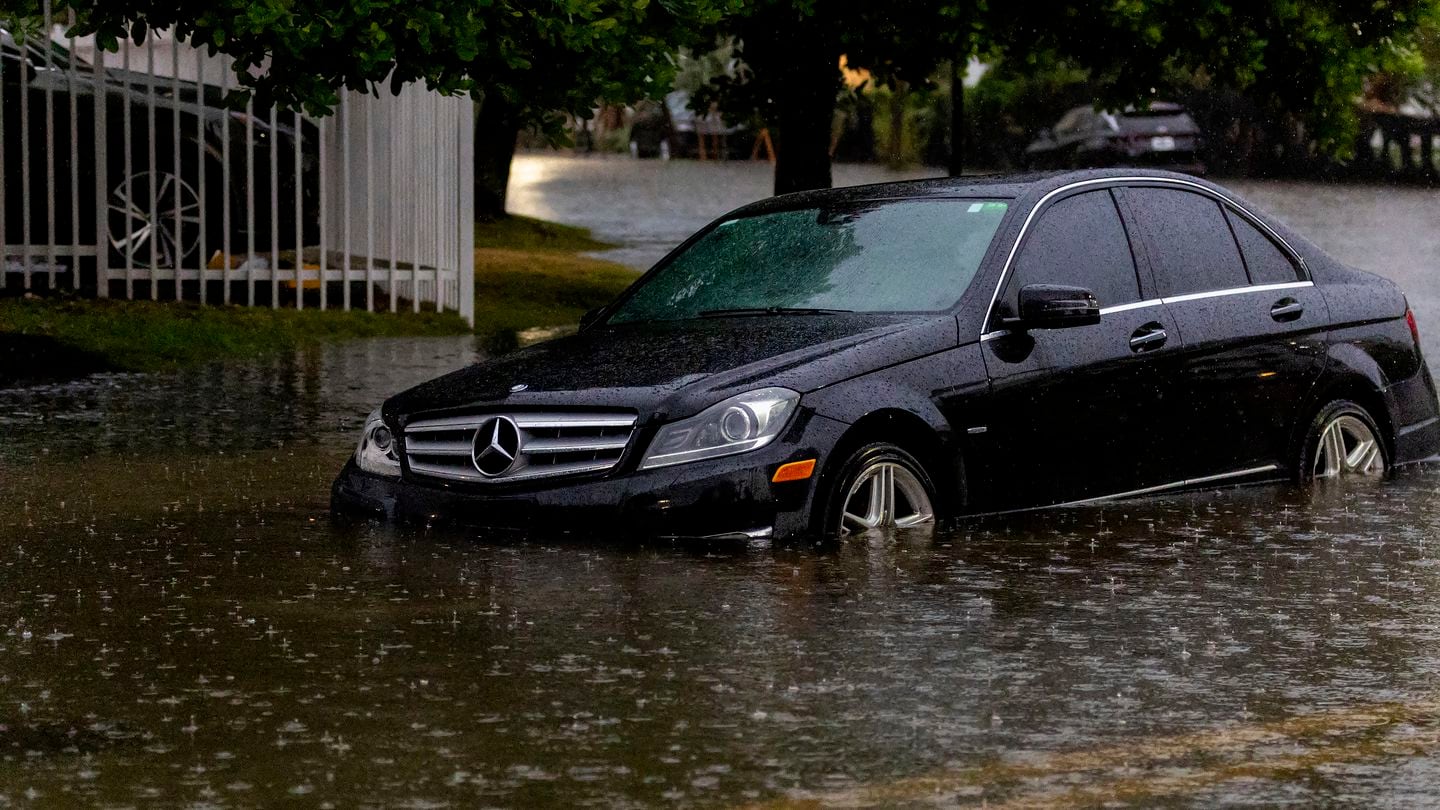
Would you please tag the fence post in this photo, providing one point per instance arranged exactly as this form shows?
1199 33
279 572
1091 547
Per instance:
74 186
465 213
102 169
50 256
4 253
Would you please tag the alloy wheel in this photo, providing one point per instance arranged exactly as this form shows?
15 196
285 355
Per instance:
885 495
1348 448
163 227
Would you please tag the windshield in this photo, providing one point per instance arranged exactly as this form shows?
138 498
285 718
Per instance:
873 256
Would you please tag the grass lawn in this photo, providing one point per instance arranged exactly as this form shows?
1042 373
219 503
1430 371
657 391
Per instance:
528 273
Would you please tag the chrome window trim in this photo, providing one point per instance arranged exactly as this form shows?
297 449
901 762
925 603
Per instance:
1209 192
1288 285
1149 302
1179 299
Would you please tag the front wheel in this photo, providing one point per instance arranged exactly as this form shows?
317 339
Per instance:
1343 442
880 487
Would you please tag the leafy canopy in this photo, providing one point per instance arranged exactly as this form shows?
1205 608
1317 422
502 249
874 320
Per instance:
539 55
1309 59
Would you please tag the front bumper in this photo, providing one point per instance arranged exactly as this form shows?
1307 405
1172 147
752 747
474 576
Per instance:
730 496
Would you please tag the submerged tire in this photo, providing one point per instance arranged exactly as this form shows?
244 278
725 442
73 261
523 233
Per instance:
880 486
1343 441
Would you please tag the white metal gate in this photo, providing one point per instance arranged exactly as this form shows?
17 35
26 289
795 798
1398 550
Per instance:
122 174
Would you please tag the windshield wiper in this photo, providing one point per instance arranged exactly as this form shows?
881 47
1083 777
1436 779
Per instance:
725 313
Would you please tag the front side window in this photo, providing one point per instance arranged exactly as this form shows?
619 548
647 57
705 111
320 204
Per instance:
873 256
1079 242
1190 245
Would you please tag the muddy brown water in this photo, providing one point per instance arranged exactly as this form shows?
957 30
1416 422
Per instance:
181 626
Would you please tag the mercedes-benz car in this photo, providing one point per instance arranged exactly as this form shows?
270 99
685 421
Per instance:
842 361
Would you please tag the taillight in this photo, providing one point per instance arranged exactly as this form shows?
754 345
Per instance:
1410 322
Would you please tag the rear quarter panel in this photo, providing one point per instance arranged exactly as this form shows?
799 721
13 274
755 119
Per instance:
1371 340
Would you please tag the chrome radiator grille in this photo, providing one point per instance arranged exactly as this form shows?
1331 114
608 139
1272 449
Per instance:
504 447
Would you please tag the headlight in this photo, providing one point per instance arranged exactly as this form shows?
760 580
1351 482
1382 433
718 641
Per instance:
739 424
376 452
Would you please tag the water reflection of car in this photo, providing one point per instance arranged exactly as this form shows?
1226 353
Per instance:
1162 135
671 129
139 231
842 360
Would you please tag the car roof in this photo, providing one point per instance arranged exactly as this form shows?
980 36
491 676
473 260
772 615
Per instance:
1030 185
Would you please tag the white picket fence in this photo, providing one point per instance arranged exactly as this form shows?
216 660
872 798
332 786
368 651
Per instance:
122 174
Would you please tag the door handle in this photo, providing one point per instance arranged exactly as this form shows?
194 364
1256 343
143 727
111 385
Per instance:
1150 336
1287 309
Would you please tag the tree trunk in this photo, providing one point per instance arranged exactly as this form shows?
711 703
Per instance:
804 117
496 128
957 117
896 147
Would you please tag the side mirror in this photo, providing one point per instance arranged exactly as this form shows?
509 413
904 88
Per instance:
589 318
1055 306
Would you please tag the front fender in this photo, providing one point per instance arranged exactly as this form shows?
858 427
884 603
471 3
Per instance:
913 404
921 387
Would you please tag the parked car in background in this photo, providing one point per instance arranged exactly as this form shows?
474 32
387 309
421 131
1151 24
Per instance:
154 200
884 356
670 129
1162 135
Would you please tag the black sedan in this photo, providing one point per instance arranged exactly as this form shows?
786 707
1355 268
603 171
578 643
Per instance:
848 360
1162 136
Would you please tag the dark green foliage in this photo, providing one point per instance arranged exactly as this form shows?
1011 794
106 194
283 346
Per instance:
1298 63
1307 59
539 57
1301 61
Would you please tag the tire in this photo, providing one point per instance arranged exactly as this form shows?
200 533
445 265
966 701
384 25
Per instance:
1343 441
854 507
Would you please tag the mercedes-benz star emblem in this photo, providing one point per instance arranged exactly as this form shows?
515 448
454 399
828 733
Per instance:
497 446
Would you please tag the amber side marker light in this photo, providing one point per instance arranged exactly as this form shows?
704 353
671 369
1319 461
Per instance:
794 471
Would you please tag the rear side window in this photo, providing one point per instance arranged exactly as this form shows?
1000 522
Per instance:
1266 262
1191 248
1078 241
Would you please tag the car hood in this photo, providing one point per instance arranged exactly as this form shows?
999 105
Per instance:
678 368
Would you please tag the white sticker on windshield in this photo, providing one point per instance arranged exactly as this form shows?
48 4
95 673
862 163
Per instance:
975 208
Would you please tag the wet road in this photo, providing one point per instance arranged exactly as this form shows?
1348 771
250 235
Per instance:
180 625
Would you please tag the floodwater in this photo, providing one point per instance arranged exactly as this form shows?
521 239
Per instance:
180 625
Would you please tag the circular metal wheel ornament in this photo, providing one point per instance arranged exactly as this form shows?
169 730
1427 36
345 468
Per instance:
1348 448
885 495
162 225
